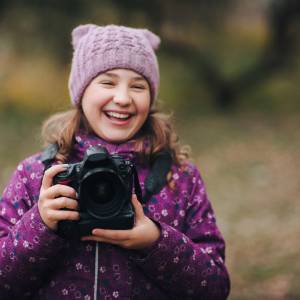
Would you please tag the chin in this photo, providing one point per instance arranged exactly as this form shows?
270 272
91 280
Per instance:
116 139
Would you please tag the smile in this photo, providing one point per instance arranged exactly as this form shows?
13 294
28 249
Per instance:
121 116
118 118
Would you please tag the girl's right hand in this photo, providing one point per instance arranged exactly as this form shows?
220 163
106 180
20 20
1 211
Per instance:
55 198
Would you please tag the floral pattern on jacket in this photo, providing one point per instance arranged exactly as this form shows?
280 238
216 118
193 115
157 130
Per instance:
187 262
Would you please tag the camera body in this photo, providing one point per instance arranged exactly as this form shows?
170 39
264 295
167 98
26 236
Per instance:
104 186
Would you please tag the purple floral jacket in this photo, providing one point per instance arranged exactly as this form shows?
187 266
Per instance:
187 262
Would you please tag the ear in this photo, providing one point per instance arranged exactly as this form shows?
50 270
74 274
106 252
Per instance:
79 32
152 38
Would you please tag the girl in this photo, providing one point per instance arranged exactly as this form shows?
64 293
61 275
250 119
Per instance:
174 250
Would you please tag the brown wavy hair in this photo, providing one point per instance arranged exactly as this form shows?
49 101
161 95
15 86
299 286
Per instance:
62 127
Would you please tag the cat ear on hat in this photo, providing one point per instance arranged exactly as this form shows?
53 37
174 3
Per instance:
79 32
152 38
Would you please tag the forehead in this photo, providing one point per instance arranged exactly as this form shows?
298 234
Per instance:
123 73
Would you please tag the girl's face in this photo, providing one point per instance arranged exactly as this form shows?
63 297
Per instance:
116 104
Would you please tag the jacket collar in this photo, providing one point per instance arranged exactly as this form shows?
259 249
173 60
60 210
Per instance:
85 140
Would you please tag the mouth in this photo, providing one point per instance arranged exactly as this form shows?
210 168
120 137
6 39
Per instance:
118 116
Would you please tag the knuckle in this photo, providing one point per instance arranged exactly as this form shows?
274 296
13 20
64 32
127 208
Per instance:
66 190
116 235
48 214
74 204
72 192
127 237
47 172
64 202
57 191
61 186
71 215
57 188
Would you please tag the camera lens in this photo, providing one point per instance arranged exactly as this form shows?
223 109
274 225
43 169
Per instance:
102 191
100 188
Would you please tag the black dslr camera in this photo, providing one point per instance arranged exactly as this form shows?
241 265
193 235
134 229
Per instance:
104 186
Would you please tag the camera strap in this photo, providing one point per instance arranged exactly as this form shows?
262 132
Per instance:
48 155
154 182
157 177
137 186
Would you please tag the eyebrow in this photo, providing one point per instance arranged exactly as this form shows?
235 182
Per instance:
109 74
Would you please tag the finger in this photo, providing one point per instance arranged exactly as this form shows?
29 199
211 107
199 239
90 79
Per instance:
63 202
61 190
116 235
138 208
60 215
50 173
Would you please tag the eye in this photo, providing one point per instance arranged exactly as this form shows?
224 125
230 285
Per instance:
107 82
139 86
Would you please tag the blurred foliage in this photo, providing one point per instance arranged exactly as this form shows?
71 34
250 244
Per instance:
221 50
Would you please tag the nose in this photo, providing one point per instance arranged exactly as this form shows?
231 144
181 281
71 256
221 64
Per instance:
122 97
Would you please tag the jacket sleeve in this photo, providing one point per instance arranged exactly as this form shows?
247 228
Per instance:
27 246
189 264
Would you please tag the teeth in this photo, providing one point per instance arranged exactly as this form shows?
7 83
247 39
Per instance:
117 115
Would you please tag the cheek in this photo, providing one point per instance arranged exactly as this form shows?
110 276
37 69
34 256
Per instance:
94 96
147 111
87 111
144 108
90 111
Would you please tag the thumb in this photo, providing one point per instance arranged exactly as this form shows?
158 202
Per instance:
138 208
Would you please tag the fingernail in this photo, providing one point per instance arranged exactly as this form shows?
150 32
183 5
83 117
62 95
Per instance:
97 231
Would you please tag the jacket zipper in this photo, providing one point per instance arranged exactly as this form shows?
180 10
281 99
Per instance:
96 270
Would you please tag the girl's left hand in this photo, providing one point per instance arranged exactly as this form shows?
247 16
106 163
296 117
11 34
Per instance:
144 233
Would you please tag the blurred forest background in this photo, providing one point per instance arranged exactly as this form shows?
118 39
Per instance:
230 72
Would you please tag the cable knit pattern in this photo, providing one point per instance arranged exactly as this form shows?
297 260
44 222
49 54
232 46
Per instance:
101 48
187 262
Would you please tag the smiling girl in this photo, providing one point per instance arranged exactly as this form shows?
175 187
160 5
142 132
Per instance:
174 250
117 103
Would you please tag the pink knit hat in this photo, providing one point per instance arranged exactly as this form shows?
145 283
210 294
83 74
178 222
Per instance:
101 48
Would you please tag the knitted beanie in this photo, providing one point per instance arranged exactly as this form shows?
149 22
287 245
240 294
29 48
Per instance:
98 49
